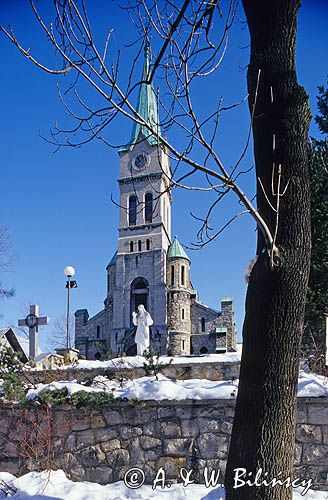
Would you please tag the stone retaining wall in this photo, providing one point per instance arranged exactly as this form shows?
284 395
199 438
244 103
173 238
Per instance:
209 370
101 444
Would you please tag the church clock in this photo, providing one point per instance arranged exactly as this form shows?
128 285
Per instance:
140 161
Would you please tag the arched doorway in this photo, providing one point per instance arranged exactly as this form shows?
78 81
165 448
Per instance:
139 294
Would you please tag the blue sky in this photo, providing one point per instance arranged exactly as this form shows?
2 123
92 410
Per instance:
58 205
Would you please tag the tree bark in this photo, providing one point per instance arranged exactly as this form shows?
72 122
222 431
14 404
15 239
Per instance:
264 425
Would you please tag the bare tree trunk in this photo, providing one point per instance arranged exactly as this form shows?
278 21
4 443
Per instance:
263 430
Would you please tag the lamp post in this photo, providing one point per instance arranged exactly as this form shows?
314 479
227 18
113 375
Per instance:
69 272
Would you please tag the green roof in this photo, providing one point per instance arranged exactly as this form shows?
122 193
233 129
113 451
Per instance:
176 251
113 260
146 108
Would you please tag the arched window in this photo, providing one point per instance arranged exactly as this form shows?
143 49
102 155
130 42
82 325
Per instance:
132 210
203 350
147 244
203 324
183 281
131 246
149 207
139 246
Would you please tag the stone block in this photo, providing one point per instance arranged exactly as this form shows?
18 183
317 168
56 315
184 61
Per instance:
168 412
100 475
92 456
148 442
308 433
324 429
301 416
105 434
111 445
129 432
97 421
298 454
118 458
318 414
114 417
139 416
81 424
213 446
208 425
85 438
149 429
316 454
189 428
70 442
169 429
178 447
171 465
226 427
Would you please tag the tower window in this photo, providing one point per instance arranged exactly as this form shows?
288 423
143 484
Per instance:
131 246
183 275
182 314
203 324
139 246
149 207
172 275
132 210
98 331
183 344
147 244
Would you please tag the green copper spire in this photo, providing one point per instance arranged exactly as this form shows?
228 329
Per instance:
176 251
147 108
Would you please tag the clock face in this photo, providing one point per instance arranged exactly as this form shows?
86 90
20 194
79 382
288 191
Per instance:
140 161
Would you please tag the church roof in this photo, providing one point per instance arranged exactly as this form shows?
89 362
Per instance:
176 250
113 259
146 108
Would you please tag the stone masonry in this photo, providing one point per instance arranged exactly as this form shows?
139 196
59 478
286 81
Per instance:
101 444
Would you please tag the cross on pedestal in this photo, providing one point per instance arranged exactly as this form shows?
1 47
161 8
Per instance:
33 321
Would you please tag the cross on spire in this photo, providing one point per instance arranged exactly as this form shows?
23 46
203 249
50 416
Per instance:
147 108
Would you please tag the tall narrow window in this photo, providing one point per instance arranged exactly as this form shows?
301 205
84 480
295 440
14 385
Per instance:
183 278
182 314
132 210
172 275
149 207
183 344
131 246
147 244
98 331
139 246
203 324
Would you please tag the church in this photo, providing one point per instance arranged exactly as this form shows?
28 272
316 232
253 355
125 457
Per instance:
149 267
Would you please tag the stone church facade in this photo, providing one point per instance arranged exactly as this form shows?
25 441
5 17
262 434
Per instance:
148 267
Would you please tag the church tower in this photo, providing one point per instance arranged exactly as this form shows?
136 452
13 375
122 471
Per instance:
147 268
144 227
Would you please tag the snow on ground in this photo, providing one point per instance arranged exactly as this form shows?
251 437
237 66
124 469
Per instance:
312 385
138 361
55 486
148 388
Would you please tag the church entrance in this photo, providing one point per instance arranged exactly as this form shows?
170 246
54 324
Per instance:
139 294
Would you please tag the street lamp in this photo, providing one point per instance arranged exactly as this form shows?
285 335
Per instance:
69 272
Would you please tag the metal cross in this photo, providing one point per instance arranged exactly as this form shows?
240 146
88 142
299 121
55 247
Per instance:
33 321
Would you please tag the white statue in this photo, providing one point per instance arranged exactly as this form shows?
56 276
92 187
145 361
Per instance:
142 320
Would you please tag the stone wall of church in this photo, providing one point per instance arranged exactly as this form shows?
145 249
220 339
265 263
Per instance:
92 336
102 444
